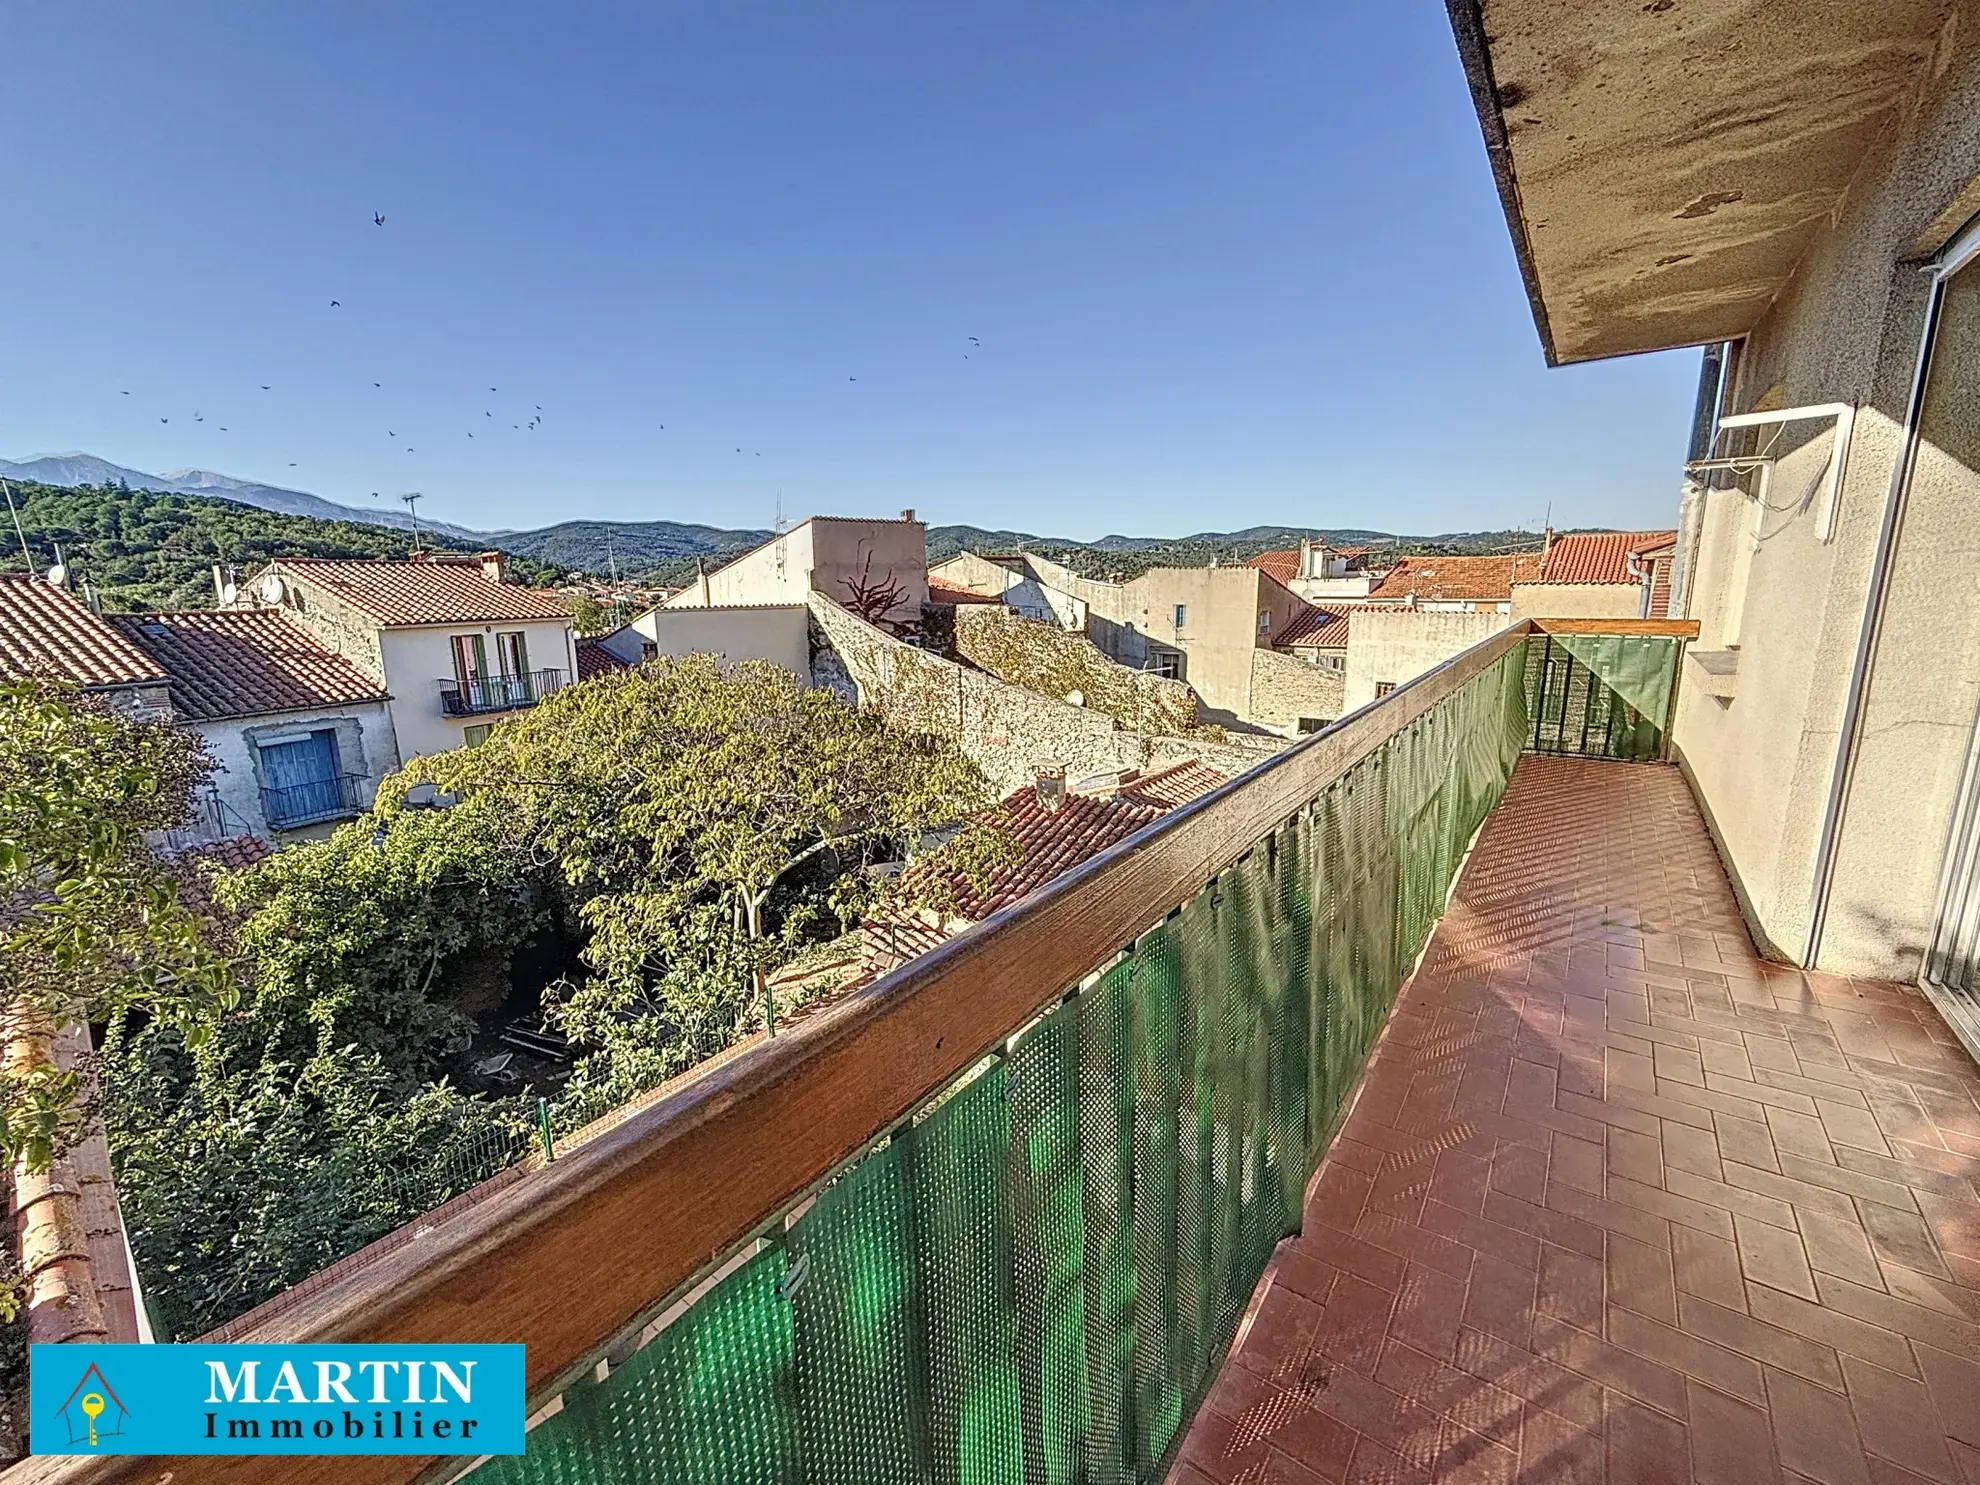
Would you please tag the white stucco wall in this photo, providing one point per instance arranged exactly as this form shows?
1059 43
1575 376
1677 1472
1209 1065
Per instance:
779 633
1394 645
417 660
366 746
1847 329
976 574
1320 589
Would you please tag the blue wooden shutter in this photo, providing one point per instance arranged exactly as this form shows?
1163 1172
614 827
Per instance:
300 778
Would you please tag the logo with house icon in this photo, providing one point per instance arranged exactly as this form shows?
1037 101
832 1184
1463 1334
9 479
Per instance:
93 1410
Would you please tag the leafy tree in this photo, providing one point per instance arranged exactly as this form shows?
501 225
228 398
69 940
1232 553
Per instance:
320 1114
91 924
589 615
680 798
691 824
241 1180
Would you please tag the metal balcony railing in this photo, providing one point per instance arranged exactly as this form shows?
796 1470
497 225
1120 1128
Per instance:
313 801
209 821
997 1216
498 693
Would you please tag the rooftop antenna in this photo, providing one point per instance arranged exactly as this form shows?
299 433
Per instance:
612 566
412 499
780 510
25 553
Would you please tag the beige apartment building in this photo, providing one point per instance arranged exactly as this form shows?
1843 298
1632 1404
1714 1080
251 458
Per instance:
876 569
1213 627
1814 226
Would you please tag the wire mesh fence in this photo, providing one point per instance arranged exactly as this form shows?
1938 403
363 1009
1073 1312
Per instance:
1600 695
1034 1278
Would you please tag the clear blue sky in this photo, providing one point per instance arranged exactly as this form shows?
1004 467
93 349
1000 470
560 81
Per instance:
1228 264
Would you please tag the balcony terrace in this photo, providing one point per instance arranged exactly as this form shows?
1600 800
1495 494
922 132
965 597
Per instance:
1089 1193
497 693
1619 1199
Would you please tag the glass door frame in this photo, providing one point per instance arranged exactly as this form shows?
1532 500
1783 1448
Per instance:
1955 938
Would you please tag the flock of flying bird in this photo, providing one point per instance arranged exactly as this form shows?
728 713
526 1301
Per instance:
378 219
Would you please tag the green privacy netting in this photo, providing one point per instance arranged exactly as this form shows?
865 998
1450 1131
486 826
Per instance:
1600 695
1033 1280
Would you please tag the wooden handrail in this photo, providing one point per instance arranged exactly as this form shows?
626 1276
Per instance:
1674 628
569 1254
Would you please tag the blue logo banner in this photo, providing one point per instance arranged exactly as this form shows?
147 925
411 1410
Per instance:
275 1399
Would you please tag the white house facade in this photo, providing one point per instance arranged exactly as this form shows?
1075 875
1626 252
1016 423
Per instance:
457 648
299 735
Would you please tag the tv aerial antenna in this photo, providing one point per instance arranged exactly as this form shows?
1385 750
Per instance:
412 499
13 511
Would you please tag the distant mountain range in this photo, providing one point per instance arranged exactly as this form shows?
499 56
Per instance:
665 550
75 469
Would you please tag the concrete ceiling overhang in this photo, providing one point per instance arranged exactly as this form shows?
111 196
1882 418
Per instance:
1664 164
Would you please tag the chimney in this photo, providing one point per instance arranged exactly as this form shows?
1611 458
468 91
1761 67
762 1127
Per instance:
1306 558
1049 783
908 514
495 567
1547 542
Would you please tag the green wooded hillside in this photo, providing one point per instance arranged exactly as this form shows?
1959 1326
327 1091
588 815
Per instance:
145 551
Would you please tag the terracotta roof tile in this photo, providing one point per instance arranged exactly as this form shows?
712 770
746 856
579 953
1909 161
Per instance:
411 593
1051 842
235 854
46 631
1660 588
941 592
1321 628
1599 556
1448 579
245 663
593 659
1283 565
1166 788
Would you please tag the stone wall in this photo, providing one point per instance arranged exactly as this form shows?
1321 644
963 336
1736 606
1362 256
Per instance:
149 703
1007 730
1286 689
1045 658
335 623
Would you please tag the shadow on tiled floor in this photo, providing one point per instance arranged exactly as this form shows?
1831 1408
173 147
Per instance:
1622 1202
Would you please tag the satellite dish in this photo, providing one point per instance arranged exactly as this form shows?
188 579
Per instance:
59 574
271 588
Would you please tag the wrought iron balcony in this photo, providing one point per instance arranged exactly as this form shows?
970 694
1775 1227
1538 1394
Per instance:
292 806
1002 1213
498 693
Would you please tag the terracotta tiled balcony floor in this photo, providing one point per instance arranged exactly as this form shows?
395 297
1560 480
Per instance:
1620 1201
